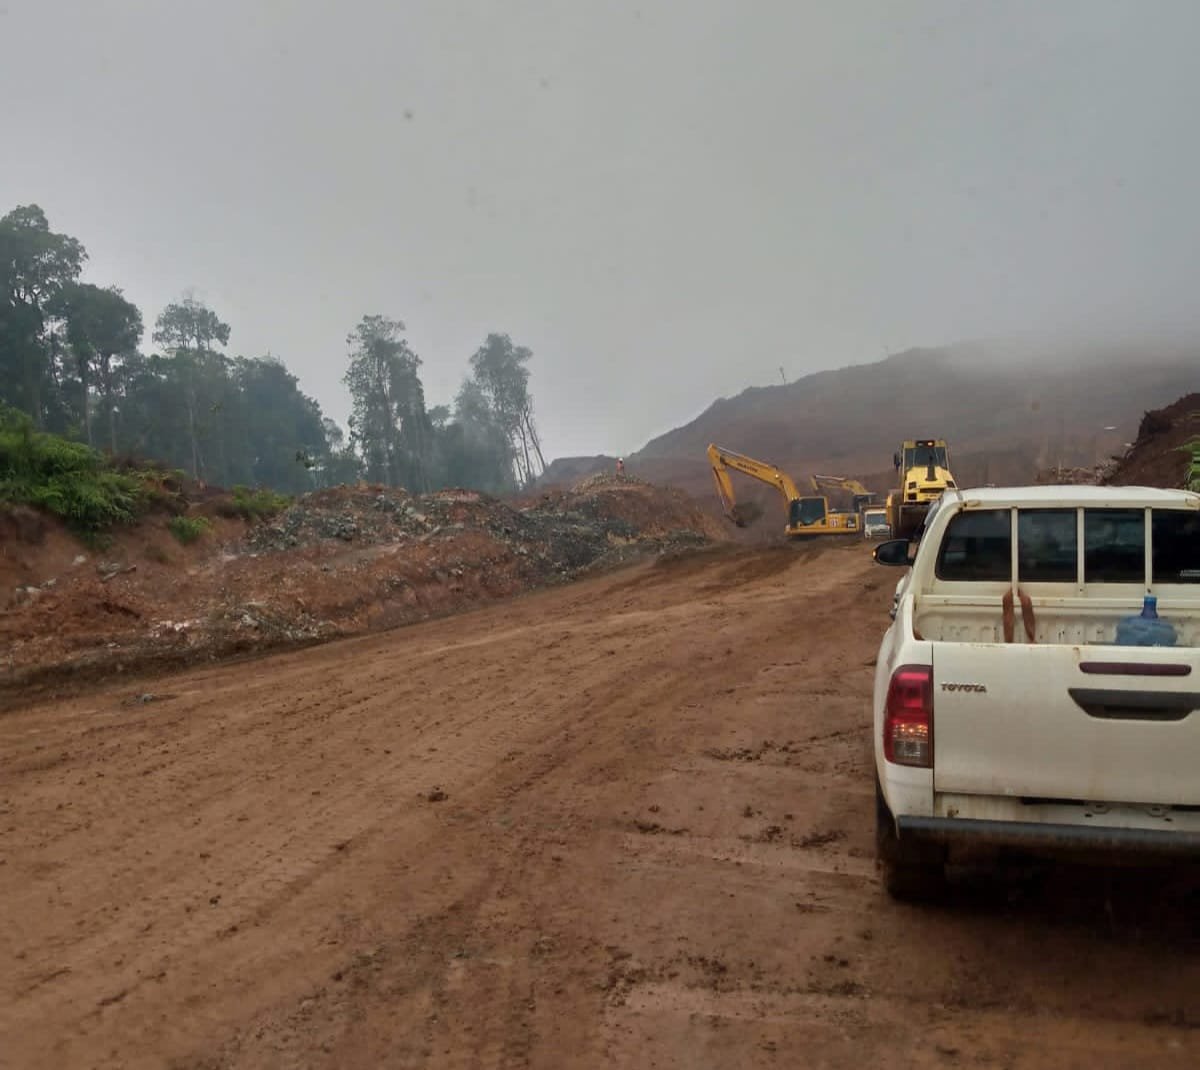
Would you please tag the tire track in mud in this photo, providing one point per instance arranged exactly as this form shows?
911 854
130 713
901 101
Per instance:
270 863
655 843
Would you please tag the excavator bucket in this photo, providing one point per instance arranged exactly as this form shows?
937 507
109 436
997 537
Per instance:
745 513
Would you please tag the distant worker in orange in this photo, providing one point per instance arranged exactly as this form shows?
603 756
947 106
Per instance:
620 467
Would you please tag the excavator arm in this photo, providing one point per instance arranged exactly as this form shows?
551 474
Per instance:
724 485
806 516
840 482
723 461
861 497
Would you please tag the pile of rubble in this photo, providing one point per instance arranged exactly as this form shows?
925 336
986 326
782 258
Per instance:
1092 476
335 562
1159 457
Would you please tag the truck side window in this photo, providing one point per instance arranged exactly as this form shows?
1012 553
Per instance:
1046 546
977 547
1114 545
1175 546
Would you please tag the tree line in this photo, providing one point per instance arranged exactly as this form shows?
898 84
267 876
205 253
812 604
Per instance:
71 358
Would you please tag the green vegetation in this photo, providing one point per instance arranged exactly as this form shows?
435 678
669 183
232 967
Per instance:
1192 480
71 359
254 504
187 529
65 478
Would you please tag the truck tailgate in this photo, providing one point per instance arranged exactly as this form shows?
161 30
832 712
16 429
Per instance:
1111 724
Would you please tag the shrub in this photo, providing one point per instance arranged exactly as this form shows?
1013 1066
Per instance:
65 478
187 529
253 504
1192 478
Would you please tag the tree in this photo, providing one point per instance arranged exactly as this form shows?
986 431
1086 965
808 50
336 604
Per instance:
101 326
388 422
35 265
189 330
473 450
278 433
499 372
340 464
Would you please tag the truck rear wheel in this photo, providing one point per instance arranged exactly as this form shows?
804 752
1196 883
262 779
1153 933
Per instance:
912 871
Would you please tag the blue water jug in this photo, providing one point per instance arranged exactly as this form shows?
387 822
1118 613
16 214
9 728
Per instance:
1147 628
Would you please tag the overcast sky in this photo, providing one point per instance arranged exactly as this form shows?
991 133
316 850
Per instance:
667 200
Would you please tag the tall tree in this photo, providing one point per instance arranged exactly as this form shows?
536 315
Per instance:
35 265
389 422
101 327
278 433
499 371
189 329
474 450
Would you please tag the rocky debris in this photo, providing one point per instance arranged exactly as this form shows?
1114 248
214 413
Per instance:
336 562
1062 475
109 570
555 535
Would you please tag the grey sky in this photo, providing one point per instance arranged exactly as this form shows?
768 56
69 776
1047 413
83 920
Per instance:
665 200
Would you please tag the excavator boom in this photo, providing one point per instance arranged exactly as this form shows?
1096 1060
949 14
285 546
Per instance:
861 497
806 516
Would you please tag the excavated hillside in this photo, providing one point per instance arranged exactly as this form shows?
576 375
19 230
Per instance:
1158 457
334 563
1006 412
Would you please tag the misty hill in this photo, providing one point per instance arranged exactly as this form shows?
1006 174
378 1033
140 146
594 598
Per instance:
1006 411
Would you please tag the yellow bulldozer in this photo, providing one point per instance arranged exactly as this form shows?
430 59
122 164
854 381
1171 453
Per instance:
807 516
923 465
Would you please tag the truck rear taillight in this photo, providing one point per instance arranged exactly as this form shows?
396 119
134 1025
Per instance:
908 718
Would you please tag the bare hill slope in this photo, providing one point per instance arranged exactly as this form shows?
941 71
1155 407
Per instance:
1006 414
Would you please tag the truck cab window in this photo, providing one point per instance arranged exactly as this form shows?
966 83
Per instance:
977 547
1114 546
1047 546
1175 546
923 456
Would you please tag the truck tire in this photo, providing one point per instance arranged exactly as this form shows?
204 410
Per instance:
912 871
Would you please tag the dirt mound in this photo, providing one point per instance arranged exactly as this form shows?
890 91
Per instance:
1157 457
334 563
653 510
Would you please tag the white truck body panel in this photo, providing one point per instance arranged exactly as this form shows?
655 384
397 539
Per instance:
1072 729
1025 736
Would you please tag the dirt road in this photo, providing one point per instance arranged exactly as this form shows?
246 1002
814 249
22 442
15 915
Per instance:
627 823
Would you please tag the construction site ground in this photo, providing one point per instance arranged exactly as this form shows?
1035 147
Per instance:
624 822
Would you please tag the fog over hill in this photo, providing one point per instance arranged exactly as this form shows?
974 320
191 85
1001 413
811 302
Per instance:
1007 409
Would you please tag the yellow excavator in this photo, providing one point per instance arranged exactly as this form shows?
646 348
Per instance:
923 465
807 517
860 496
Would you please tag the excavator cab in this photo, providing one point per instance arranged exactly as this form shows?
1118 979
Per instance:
804 512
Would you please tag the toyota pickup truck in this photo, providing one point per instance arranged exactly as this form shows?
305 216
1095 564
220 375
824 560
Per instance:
1006 718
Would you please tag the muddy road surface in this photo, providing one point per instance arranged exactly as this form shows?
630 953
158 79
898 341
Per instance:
624 823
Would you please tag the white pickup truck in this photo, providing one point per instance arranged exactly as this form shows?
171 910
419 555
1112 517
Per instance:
1040 735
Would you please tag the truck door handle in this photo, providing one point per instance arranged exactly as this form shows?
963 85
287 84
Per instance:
1135 705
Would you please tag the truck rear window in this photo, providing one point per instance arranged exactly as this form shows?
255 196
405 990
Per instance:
1047 546
1114 545
977 547
1176 543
